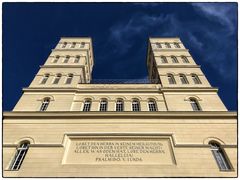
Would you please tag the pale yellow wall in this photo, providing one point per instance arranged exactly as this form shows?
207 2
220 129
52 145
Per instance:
78 74
193 157
177 101
33 101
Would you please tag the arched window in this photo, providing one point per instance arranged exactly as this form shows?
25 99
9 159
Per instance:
57 79
87 105
44 79
167 45
163 59
69 79
103 105
171 79
174 59
119 105
152 105
64 45
82 44
135 105
195 79
220 156
158 45
19 156
55 60
45 104
195 105
176 45
183 79
66 59
184 59
76 60
73 45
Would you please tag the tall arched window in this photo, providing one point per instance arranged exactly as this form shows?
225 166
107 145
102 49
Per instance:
220 156
158 45
44 79
82 44
135 105
76 60
103 105
171 79
167 45
152 105
195 105
19 156
66 59
195 79
119 105
176 45
55 60
64 45
45 104
174 59
184 59
163 59
57 79
87 105
69 79
183 79
73 45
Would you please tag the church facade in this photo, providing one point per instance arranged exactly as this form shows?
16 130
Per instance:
66 126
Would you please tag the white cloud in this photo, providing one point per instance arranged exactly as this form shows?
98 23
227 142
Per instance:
202 39
221 12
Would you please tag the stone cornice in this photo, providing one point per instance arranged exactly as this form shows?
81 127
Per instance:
178 66
189 89
112 88
62 66
128 114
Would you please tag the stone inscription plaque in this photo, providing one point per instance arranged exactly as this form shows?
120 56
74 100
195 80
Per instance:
118 151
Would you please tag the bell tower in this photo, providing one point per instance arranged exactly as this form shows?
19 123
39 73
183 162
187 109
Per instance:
170 64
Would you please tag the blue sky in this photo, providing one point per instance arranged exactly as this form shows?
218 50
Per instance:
120 32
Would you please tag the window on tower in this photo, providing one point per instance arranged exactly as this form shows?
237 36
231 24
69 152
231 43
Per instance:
184 59
73 45
55 60
196 79
135 105
152 105
66 59
176 45
87 105
171 79
45 104
183 79
220 156
195 105
163 59
174 59
119 105
57 79
64 45
44 79
19 156
76 60
103 105
69 79
82 45
167 45
158 45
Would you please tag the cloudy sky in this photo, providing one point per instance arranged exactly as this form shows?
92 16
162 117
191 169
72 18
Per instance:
120 32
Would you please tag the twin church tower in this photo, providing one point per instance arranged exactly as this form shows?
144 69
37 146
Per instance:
66 126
